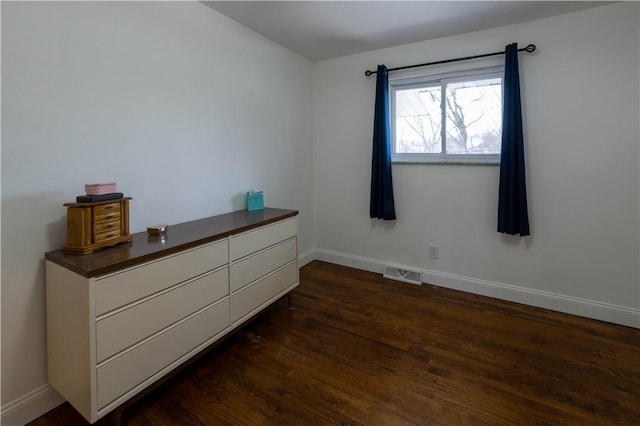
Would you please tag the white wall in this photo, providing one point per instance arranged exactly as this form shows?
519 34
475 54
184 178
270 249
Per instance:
184 109
580 100
180 106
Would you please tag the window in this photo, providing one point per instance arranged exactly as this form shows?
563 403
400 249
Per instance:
448 118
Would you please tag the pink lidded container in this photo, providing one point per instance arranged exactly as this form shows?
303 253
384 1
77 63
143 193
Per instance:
100 188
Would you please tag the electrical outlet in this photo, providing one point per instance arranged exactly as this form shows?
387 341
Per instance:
434 252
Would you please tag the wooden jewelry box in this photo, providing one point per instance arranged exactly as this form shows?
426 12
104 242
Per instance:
96 225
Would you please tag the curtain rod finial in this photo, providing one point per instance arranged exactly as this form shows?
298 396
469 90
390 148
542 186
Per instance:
530 48
368 73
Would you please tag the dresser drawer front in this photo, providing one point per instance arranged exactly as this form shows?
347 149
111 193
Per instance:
113 291
125 372
255 266
249 242
108 235
267 289
125 328
109 225
107 212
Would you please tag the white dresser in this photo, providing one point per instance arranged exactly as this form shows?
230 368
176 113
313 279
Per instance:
122 318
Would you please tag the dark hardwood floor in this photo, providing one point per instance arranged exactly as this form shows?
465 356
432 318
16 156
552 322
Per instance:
358 349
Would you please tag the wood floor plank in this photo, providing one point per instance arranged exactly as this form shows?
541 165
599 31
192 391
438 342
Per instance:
360 350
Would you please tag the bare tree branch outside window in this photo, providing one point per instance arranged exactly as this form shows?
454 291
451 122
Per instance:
471 118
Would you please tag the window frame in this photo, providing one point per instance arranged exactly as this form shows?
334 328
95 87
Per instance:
440 79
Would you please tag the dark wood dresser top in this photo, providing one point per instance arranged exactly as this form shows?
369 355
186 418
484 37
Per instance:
145 247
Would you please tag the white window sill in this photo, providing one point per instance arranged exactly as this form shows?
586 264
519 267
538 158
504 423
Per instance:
419 159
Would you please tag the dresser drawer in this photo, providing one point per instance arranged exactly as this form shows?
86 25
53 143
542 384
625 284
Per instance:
125 372
106 212
267 289
257 265
244 244
125 328
107 235
106 226
113 291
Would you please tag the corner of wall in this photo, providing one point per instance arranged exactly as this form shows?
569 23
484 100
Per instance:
30 406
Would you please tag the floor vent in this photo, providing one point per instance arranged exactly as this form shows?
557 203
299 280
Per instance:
410 276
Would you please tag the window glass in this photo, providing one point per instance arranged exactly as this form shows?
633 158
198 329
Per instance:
474 116
447 118
418 120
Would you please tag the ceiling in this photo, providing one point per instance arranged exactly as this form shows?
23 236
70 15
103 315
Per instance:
320 30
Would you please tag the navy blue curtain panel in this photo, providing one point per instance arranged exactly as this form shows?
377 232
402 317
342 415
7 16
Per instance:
381 204
512 194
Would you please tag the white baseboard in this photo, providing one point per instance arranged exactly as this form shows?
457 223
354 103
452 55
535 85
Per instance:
358 262
306 258
30 406
542 299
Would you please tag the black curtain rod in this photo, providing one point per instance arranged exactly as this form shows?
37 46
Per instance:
530 48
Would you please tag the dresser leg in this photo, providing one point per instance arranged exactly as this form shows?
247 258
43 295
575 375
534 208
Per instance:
114 418
290 301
